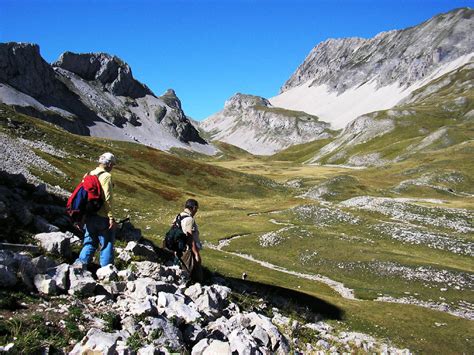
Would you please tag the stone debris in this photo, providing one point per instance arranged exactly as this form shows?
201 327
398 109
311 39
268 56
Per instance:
406 210
323 216
154 305
420 235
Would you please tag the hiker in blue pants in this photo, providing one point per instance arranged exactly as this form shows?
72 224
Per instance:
100 228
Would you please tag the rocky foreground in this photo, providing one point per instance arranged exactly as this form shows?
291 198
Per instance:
150 308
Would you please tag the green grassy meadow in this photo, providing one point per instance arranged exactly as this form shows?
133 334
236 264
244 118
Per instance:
265 201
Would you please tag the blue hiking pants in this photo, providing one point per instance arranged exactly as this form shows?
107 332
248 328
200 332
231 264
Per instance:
97 232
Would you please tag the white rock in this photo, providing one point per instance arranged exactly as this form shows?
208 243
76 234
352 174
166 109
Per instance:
126 275
60 275
107 273
96 341
261 335
144 307
217 347
194 291
199 348
148 350
55 243
45 284
81 282
242 342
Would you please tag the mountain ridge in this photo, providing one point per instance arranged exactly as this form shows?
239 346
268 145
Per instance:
342 79
254 124
94 94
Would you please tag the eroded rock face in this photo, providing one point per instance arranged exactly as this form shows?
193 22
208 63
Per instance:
403 56
176 121
22 67
111 71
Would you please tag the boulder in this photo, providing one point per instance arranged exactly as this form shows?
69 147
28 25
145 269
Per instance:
107 273
241 342
97 342
115 287
217 347
146 307
174 306
199 348
142 250
163 333
261 336
7 276
43 226
81 282
194 333
220 328
26 270
45 284
126 275
148 287
194 291
124 255
150 349
60 275
55 243
43 263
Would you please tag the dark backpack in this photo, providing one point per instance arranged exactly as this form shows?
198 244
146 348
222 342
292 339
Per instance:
85 199
175 238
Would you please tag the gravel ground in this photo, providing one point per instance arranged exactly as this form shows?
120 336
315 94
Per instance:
18 157
459 220
422 236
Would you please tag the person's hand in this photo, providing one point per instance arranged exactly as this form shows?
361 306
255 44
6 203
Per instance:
112 224
197 257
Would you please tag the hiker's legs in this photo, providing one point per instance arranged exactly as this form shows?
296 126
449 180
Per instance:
107 240
90 243
93 229
192 266
188 261
197 274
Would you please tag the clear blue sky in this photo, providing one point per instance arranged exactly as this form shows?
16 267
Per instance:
206 50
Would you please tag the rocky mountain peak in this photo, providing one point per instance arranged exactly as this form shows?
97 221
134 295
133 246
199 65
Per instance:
171 99
399 56
22 67
111 71
242 101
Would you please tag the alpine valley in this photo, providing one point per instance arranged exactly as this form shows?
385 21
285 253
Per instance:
347 201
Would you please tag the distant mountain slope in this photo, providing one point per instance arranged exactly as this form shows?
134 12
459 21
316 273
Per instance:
252 123
342 79
436 116
94 94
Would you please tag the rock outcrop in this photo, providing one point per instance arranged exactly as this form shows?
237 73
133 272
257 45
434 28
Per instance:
176 120
111 71
252 123
22 67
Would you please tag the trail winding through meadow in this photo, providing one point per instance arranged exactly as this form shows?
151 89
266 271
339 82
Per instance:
466 312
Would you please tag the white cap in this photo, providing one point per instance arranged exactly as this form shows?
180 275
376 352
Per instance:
107 158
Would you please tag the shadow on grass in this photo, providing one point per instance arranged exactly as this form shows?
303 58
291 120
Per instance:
302 304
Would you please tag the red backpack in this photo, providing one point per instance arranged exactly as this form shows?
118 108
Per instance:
85 199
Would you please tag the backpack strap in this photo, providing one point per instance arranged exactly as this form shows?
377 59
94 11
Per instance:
179 218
